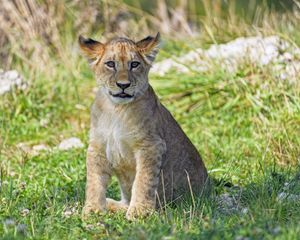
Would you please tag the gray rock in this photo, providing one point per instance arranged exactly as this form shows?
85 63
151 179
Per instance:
9 222
9 80
24 212
230 203
284 196
34 150
283 57
40 147
69 143
22 229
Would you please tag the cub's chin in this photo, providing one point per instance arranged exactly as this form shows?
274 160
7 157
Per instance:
121 98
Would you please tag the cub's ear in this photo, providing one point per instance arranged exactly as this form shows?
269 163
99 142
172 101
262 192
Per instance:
149 47
90 48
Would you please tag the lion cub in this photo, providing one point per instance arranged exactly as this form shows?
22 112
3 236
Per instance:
133 136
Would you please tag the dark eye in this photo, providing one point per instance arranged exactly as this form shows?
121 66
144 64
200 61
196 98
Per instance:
134 64
110 64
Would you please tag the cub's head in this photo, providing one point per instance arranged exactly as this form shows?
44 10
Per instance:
121 65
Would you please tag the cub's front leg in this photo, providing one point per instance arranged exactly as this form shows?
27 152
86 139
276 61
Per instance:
149 157
98 176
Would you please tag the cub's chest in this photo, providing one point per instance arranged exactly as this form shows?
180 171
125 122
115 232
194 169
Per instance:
117 138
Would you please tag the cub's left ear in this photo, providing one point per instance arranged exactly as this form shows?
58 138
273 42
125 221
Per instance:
149 47
91 48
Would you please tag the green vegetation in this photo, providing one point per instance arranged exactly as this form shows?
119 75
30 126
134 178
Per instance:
247 133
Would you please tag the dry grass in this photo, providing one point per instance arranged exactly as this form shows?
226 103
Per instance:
43 34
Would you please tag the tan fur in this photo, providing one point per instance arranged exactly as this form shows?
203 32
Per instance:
136 139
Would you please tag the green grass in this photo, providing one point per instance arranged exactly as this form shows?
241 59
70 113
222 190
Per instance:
247 133
245 125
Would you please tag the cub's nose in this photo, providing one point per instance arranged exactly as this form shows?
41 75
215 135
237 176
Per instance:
123 86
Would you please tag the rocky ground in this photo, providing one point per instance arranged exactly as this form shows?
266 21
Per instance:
281 55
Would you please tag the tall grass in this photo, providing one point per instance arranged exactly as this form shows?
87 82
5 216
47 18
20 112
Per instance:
42 34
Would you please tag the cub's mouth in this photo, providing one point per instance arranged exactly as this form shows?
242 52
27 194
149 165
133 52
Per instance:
121 95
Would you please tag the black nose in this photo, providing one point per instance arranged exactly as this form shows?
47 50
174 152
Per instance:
123 85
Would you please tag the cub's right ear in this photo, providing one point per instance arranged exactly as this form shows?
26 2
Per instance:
90 48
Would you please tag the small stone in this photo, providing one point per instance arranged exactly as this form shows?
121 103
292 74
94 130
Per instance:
68 213
286 185
9 80
100 224
34 150
23 185
288 56
22 229
9 222
226 200
80 107
13 74
245 210
71 210
40 147
44 122
70 143
276 230
24 147
283 196
89 226
283 76
24 212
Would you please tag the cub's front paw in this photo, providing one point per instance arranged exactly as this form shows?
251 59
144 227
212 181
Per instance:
89 208
134 212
